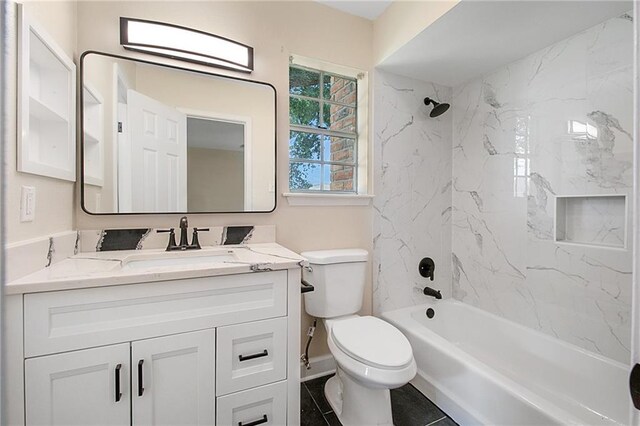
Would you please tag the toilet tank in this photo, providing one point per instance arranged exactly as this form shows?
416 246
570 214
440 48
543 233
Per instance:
338 277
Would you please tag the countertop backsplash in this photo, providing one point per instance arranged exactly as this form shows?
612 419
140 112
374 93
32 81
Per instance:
26 257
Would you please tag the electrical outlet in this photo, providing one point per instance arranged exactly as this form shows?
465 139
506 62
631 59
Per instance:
28 204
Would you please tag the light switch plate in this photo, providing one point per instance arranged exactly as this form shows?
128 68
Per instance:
28 204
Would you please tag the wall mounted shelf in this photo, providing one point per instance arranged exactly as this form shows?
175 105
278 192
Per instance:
46 104
93 136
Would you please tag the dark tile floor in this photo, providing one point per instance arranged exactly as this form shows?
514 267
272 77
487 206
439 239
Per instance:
409 407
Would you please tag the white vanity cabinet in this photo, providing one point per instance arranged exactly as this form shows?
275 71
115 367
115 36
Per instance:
202 351
79 388
168 380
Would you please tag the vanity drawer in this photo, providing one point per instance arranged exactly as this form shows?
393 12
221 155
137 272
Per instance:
74 319
251 355
266 405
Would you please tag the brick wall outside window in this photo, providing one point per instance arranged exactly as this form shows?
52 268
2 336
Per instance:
342 118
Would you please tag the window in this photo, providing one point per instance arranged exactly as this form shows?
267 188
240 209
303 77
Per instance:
324 141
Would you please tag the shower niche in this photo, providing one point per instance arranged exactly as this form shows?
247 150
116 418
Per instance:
592 220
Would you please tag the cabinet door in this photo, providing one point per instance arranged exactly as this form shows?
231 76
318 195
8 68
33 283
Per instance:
88 387
173 379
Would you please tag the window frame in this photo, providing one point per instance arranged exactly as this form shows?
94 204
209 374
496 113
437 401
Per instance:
360 134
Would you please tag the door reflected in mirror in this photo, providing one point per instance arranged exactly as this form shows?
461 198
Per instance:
159 139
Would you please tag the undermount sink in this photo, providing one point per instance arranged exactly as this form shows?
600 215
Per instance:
178 259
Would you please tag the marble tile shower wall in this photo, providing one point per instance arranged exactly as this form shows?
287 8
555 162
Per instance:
558 122
412 217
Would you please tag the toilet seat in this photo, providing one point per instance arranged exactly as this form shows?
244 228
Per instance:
373 342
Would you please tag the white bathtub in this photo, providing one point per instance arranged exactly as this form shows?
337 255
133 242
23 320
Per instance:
483 369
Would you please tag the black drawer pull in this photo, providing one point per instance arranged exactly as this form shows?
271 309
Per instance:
118 392
255 422
140 378
254 356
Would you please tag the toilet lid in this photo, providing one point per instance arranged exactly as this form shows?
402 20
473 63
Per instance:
372 341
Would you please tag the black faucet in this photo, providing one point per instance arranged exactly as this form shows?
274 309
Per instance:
427 268
184 228
428 291
184 244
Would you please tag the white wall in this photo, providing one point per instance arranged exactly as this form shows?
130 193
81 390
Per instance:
505 257
402 21
412 208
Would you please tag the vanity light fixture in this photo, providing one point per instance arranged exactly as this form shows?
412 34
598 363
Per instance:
186 44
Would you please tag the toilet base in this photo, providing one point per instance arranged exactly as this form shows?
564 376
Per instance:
355 404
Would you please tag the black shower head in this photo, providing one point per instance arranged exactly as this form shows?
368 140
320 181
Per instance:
438 108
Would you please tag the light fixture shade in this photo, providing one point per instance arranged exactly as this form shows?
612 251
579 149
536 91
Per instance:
186 44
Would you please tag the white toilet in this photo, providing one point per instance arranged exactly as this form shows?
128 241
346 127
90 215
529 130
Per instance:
372 355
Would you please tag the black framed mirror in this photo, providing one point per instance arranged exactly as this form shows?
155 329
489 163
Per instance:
157 138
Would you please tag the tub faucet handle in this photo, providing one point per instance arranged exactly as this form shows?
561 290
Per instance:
427 267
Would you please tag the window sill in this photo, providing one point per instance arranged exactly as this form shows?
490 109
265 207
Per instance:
307 199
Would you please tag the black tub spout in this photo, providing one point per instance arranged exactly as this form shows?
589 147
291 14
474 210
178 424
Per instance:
428 291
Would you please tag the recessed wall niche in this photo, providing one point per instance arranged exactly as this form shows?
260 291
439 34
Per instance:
594 220
46 104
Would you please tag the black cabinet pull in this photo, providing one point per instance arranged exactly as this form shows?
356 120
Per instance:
118 392
140 384
255 422
253 356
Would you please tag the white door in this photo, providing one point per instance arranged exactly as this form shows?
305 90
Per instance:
124 161
173 379
158 141
88 387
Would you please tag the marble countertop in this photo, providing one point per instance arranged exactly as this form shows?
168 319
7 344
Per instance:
109 268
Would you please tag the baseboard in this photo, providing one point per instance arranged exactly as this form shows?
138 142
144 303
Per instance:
320 366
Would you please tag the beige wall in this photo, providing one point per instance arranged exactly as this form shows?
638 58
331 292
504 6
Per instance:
215 97
275 30
54 198
215 180
402 21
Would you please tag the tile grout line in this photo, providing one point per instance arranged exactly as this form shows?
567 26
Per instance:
316 403
325 418
324 414
436 421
